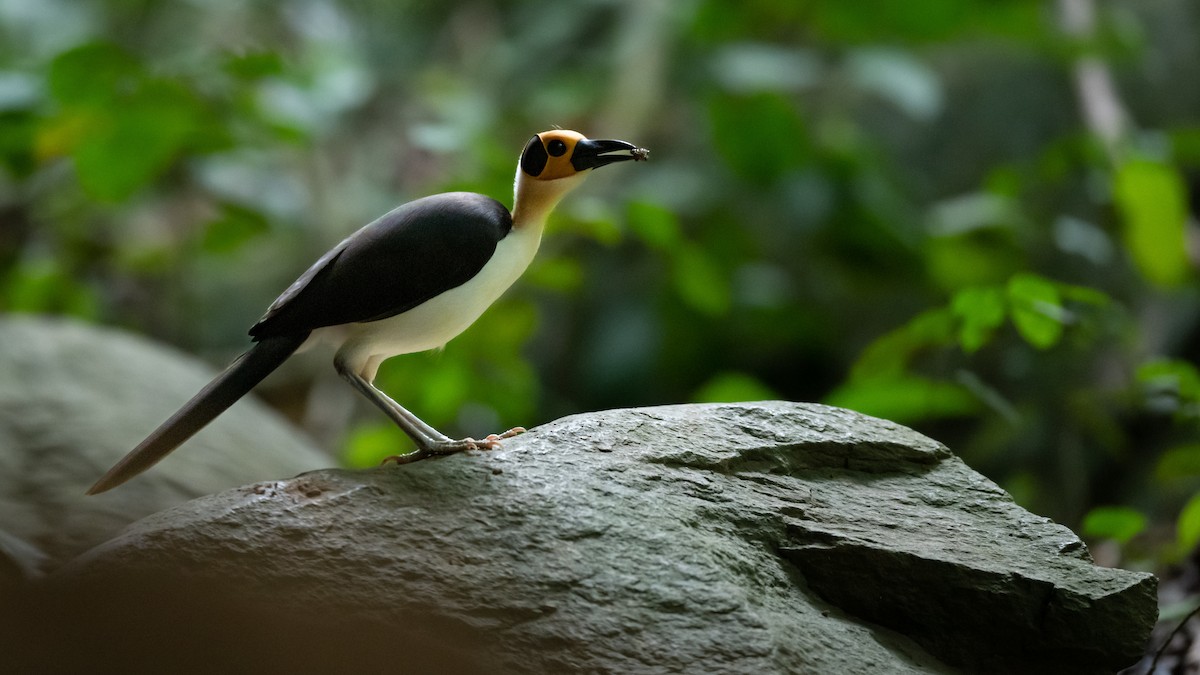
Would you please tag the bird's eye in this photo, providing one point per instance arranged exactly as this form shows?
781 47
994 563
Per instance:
556 148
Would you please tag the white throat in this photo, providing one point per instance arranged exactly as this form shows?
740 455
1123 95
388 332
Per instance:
534 199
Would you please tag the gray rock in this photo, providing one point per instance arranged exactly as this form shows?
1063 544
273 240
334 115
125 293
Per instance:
20 561
740 538
75 398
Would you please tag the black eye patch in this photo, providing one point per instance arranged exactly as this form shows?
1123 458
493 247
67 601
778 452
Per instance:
557 148
534 157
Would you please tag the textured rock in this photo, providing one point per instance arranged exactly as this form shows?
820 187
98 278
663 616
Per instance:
747 538
75 398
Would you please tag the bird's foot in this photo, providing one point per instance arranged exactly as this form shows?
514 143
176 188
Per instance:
435 449
450 447
496 438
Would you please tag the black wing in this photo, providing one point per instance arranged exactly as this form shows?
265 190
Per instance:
415 252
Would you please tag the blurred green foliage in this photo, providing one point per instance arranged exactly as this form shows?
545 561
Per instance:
1118 523
902 208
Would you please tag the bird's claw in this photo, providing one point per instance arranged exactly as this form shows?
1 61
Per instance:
492 441
496 438
489 442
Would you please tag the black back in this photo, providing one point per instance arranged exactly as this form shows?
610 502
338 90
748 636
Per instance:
413 253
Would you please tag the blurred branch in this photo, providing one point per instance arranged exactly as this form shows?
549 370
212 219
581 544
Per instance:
1102 109
642 50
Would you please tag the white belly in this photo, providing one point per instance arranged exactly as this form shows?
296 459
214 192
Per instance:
436 321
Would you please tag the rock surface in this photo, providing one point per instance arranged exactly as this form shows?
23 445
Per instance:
74 399
732 538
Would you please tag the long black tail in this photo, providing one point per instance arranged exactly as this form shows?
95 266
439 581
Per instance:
232 384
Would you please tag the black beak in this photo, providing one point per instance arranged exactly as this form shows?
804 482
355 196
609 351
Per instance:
591 154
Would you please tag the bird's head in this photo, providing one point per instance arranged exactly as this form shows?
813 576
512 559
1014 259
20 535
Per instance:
557 154
555 161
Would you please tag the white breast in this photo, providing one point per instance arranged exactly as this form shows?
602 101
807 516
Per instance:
436 321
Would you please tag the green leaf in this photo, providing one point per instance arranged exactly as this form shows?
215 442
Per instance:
922 20
1023 487
443 394
889 355
136 141
731 387
93 74
18 131
655 225
559 274
759 136
503 329
1084 295
43 286
1037 309
980 311
236 226
252 65
905 399
1152 200
1176 374
700 282
973 258
122 126
1119 523
594 221
1171 387
1179 462
368 445
1187 529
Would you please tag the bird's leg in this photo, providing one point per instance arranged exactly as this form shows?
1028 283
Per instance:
430 442
401 415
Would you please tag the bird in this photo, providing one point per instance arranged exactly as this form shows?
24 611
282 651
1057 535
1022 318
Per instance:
407 282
